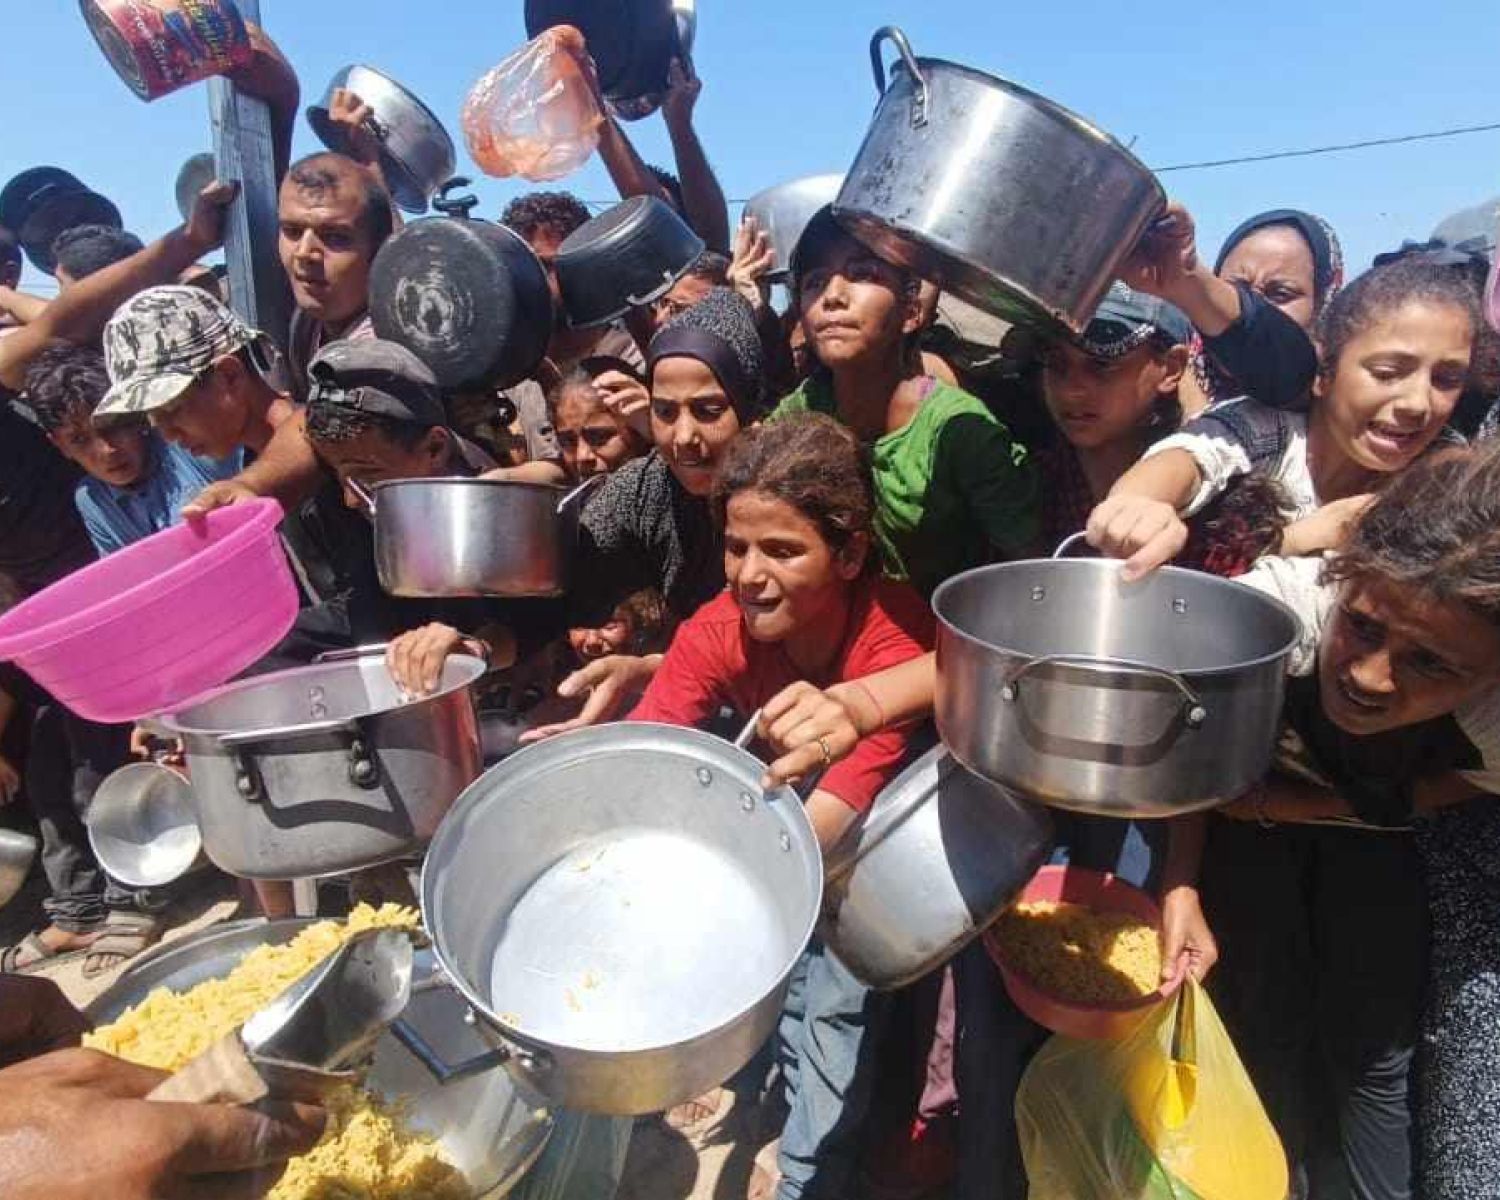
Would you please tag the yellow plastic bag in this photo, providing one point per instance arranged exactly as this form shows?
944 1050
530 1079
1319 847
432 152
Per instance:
1166 1113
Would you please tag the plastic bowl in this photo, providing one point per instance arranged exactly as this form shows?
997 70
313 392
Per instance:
149 627
1103 893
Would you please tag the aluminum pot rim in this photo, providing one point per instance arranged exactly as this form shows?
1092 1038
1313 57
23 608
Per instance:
472 796
470 667
1073 120
947 628
447 482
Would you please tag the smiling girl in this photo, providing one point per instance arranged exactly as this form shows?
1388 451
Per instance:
1395 348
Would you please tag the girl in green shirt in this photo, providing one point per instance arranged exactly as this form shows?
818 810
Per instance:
953 489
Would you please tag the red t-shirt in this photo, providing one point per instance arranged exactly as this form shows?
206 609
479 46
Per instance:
712 661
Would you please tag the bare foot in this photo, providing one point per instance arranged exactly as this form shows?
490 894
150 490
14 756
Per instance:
765 1176
65 941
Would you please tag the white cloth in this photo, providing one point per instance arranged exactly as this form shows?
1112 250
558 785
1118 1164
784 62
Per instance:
1223 456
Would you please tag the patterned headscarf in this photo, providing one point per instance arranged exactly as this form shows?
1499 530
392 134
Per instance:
1328 277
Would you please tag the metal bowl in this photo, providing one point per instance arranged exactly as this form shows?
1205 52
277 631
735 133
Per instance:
783 212
143 825
492 1127
17 853
417 154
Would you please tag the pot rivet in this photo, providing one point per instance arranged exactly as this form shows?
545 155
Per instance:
786 840
705 776
1038 594
244 785
1196 716
747 801
1179 606
1008 692
469 1017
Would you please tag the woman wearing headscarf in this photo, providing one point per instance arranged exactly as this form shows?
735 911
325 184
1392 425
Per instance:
1253 312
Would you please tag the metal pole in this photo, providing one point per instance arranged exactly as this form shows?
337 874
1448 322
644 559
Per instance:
244 150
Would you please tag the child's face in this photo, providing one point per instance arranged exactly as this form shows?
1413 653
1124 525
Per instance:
610 638
117 456
209 417
373 458
855 306
1393 656
1098 402
591 441
692 421
782 574
1396 384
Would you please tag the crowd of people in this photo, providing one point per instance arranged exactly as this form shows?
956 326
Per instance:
783 489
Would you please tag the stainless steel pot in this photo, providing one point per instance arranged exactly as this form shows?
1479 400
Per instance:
143 825
491 1126
622 907
327 769
17 853
783 212
474 537
994 192
1145 699
939 856
416 153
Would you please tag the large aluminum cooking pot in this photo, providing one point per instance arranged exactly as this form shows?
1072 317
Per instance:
783 212
416 153
327 769
940 855
474 537
993 192
491 1126
623 907
1145 699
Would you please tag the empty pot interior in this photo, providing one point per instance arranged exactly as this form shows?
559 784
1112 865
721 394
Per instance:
625 896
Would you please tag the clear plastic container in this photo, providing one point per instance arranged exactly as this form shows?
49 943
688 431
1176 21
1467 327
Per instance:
536 114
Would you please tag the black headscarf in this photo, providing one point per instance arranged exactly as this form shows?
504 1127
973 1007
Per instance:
1327 254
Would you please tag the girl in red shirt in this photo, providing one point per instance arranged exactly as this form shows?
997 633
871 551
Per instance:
804 602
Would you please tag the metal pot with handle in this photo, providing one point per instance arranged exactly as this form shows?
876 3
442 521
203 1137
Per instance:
622 908
939 856
329 768
416 152
474 537
993 192
1148 699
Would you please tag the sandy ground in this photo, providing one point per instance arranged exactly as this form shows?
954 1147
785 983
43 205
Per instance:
713 1162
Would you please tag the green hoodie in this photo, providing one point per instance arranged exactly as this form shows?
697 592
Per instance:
953 489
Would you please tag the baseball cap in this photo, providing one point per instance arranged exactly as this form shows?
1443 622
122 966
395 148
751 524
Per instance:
160 342
1126 319
380 378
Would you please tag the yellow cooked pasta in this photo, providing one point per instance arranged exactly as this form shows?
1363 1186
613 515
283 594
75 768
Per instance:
1080 955
367 1153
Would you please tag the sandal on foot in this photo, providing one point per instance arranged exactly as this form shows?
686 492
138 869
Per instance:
694 1115
122 936
26 953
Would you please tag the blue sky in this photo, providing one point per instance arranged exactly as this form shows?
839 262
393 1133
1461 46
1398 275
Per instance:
788 92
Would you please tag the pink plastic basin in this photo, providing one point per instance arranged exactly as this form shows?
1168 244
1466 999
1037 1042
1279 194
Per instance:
152 625
1102 893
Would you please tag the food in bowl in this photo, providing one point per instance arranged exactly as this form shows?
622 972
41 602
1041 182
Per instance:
1079 954
368 1151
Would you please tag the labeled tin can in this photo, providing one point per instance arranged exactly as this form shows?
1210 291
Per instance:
159 46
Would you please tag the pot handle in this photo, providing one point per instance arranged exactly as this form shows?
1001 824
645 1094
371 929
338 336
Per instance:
1194 714
582 491
256 737
366 651
439 1067
362 494
1067 544
923 97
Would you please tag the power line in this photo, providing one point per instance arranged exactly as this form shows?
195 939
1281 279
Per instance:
1389 141
1274 155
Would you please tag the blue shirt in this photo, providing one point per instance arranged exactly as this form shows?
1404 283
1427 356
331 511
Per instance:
115 517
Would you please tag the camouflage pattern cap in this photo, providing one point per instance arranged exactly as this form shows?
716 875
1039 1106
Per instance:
160 341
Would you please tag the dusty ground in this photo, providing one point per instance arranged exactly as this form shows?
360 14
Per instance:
711 1163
